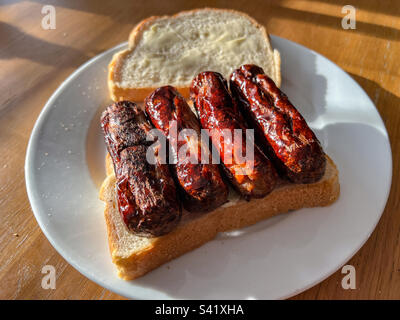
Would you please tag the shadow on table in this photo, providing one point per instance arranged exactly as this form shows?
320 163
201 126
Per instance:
35 49
385 7
122 11
333 22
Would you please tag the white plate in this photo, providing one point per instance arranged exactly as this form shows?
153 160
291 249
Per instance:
276 258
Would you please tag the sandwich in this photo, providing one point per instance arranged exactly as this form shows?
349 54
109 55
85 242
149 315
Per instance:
201 146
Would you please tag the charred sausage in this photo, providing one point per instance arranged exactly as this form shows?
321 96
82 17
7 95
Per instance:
146 193
199 179
219 114
281 130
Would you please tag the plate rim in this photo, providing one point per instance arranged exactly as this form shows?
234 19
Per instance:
29 175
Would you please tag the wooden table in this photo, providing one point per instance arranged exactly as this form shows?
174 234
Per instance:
34 61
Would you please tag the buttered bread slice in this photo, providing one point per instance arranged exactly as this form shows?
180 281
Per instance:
173 49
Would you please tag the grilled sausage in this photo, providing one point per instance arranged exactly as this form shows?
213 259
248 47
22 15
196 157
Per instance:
201 184
146 193
281 130
218 113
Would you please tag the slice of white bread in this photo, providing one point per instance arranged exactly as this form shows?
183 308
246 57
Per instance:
135 256
172 50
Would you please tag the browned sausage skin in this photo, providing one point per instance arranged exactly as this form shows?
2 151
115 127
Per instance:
201 184
218 112
146 193
281 130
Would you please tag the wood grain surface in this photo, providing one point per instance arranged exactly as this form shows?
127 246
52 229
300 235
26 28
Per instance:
34 62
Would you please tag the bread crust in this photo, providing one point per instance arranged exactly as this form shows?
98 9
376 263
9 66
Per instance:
118 93
194 233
